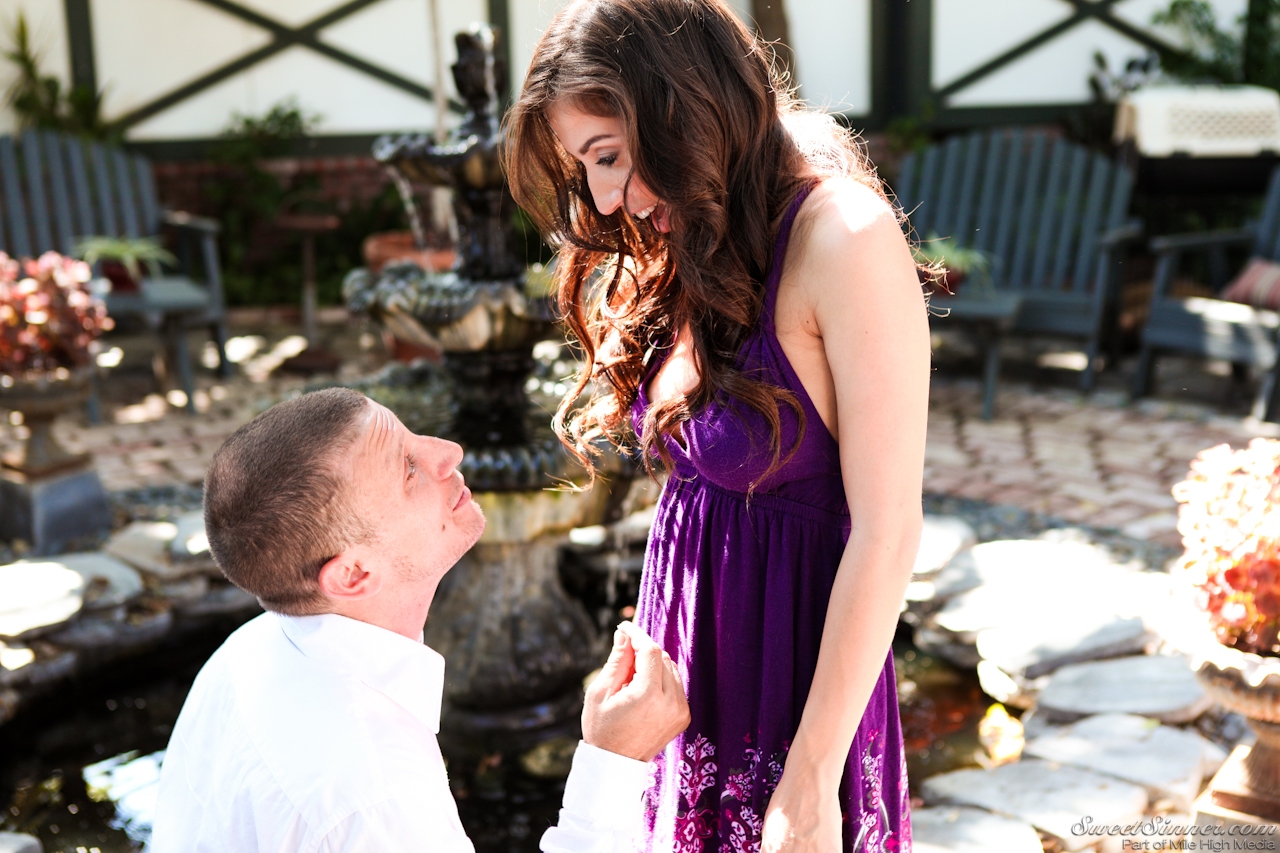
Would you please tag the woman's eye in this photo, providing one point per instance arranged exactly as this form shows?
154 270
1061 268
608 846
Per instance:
607 160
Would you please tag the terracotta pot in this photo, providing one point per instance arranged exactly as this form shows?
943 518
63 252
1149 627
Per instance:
122 281
381 249
41 401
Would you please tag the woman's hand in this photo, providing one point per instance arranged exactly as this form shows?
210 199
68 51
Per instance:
804 814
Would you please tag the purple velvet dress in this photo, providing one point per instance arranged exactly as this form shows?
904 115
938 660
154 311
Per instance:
736 591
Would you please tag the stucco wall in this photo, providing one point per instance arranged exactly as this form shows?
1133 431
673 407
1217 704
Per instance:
147 48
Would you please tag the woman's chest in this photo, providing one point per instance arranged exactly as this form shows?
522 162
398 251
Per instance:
799 344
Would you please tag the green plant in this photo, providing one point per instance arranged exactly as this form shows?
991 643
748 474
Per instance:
130 251
945 264
1247 53
39 101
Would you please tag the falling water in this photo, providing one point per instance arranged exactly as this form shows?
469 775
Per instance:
490 75
410 206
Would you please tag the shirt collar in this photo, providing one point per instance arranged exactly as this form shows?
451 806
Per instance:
409 673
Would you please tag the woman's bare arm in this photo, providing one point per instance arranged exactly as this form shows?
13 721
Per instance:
859 279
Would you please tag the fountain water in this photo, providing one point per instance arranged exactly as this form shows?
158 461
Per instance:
516 645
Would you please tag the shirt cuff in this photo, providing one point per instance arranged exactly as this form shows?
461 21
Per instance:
604 788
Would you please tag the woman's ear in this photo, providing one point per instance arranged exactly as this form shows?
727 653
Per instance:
345 578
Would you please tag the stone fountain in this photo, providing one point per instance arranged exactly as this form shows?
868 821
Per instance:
517 647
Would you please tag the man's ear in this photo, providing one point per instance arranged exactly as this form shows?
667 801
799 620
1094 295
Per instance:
345 578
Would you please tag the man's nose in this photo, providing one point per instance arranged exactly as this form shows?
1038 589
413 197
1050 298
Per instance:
445 457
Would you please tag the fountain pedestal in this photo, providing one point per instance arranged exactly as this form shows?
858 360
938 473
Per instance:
516 646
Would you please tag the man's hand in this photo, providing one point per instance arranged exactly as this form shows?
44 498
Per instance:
636 705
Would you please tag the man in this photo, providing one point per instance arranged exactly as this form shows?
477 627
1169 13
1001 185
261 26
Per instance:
313 728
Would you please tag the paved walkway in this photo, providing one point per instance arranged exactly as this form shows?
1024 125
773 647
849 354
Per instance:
1091 460
1086 459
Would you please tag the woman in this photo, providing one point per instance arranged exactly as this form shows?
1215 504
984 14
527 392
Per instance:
761 326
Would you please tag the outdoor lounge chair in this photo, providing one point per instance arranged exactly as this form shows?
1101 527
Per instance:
57 189
1051 217
1214 328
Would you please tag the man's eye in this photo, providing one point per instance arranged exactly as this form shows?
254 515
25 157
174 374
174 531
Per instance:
607 160
413 465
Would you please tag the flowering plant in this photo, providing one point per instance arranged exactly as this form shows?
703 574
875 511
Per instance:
1230 526
48 317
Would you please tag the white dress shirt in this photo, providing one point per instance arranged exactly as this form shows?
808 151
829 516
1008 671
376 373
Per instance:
318 733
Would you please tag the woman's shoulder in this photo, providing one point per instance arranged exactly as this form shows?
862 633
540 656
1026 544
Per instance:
843 223
844 207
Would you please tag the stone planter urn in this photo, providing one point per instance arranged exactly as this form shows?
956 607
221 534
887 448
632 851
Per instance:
41 401
50 498
1248 684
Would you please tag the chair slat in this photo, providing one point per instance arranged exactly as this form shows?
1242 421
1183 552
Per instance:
906 182
106 196
1121 190
1027 213
945 217
63 225
984 230
1267 244
15 204
1091 224
1070 218
86 223
36 198
923 211
125 191
1050 211
148 201
963 223
1006 222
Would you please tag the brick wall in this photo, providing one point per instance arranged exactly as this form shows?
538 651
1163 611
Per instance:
342 180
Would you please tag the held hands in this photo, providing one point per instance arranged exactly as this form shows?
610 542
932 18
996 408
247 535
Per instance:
636 705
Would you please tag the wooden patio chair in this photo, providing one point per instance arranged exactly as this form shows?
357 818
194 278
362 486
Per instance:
1050 215
1214 328
57 189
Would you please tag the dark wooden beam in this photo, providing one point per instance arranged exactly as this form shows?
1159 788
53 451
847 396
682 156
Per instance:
283 37
84 70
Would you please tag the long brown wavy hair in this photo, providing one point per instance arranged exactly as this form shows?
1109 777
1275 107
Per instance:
715 132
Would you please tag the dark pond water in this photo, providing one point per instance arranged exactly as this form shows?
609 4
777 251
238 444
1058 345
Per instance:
127 714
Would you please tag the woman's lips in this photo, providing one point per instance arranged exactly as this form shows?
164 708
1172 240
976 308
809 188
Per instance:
658 211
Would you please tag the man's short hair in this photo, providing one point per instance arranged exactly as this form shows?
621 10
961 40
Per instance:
276 505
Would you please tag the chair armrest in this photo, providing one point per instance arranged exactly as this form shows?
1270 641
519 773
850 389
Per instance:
1202 240
1121 234
182 219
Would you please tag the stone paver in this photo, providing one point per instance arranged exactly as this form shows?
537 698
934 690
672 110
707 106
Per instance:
1159 686
964 829
1169 762
1045 794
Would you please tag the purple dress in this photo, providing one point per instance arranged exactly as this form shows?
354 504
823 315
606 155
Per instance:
736 591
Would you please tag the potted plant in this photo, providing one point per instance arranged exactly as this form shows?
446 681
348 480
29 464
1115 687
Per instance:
122 259
1230 525
945 265
49 321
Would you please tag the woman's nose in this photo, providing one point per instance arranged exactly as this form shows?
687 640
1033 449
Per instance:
607 198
